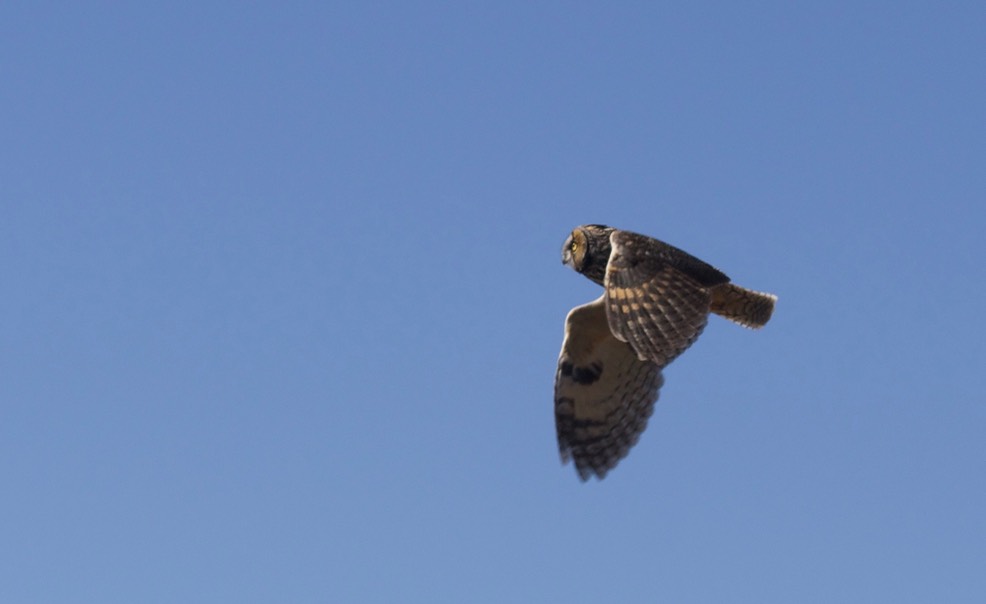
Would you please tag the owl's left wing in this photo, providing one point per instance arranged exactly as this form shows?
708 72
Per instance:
604 394
657 299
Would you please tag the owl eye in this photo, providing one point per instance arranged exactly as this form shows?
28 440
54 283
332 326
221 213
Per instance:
574 245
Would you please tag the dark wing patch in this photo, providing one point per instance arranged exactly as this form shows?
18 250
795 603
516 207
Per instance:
604 394
651 302
581 375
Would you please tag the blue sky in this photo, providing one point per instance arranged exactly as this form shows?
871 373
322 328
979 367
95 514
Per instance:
282 300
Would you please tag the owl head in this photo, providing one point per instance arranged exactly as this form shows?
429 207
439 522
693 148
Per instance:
587 251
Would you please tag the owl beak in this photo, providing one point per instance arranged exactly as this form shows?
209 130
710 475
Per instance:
566 252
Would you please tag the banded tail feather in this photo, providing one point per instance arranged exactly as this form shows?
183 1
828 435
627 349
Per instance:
744 306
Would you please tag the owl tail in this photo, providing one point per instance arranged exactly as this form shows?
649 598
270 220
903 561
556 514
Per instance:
744 306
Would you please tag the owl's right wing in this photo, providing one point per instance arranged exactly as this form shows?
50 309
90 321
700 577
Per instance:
604 393
657 296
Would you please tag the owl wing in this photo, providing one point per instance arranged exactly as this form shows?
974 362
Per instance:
657 296
604 394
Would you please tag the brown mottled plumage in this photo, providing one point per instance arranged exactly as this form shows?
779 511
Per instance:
656 303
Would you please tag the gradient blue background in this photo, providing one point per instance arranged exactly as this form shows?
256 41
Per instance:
282 300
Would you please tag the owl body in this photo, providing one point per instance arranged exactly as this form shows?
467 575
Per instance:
656 302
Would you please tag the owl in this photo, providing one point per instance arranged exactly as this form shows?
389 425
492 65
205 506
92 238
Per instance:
656 301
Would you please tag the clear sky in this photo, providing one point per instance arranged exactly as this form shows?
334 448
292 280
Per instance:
281 300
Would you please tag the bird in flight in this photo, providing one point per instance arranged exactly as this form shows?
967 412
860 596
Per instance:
656 301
